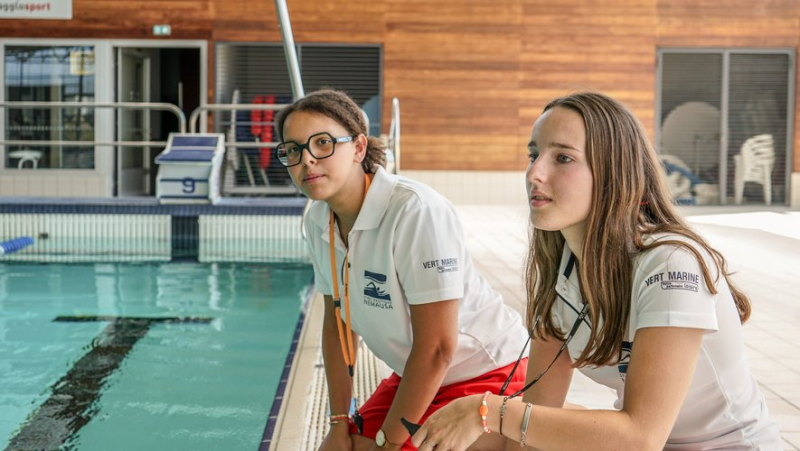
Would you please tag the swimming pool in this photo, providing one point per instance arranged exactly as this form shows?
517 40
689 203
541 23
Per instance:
159 356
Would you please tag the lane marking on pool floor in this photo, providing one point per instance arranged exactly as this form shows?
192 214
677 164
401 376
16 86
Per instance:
73 399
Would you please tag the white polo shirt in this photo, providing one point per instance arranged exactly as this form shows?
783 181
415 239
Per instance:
724 408
407 248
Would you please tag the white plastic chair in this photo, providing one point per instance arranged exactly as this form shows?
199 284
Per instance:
754 163
26 155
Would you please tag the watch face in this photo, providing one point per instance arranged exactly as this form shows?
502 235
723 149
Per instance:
380 438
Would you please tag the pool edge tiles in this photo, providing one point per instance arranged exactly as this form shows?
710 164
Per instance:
89 237
267 231
277 238
280 394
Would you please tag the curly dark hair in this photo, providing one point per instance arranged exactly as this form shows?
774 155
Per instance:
340 107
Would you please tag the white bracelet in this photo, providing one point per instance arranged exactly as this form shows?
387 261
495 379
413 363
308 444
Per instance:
525 419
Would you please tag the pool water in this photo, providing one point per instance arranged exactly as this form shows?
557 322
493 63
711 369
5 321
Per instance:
170 356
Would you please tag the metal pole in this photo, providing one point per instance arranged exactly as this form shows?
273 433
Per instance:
289 49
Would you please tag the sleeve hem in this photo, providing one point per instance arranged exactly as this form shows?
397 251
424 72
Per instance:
678 320
427 297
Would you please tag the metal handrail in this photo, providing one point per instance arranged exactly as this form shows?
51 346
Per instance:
394 134
121 105
57 142
228 107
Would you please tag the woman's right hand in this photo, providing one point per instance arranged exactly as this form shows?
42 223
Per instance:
338 438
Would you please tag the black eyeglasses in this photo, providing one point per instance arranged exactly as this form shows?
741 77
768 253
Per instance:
320 146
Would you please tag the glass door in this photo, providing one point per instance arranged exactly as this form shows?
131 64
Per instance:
133 85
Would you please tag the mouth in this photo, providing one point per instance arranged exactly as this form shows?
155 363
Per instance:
539 200
311 178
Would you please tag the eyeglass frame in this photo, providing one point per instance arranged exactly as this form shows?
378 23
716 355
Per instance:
307 146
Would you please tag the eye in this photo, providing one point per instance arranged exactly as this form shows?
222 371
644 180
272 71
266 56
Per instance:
292 149
533 155
324 140
564 159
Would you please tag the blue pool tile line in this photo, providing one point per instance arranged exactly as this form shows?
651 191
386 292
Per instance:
250 207
272 419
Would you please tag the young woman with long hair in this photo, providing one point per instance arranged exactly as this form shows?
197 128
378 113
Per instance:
620 287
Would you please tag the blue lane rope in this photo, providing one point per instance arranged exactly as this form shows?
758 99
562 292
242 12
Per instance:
11 246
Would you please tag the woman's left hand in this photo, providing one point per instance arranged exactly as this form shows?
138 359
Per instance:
455 426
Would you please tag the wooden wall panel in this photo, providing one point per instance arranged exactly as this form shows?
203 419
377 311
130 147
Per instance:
472 75
454 65
600 46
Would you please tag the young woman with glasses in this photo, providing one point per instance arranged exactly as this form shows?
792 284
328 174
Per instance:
641 303
390 261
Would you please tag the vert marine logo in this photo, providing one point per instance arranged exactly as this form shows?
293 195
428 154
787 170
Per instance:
675 280
442 265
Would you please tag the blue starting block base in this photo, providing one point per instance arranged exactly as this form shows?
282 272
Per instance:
189 169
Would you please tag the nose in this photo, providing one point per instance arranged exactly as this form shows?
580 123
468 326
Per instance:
536 172
305 149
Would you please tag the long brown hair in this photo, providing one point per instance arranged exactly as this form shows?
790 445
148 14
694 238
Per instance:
340 107
630 200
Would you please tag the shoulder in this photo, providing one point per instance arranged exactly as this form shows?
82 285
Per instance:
675 258
413 194
672 247
399 191
317 216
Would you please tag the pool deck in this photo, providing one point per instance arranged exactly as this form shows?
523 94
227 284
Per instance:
762 246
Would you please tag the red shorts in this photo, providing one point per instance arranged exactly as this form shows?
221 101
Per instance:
377 406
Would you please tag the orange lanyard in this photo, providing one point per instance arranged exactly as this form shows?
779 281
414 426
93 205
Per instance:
345 340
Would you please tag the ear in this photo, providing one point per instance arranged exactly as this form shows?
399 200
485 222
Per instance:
361 143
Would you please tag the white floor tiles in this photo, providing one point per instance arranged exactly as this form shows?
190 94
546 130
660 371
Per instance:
763 247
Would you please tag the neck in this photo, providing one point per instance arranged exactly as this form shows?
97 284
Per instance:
347 206
574 239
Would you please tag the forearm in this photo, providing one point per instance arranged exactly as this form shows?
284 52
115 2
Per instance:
425 369
336 373
554 428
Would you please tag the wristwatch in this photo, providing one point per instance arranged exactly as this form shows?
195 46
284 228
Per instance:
380 439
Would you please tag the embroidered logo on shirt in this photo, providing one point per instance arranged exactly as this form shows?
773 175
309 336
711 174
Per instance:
624 359
675 280
442 265
374 294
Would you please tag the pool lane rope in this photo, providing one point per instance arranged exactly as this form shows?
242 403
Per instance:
14 245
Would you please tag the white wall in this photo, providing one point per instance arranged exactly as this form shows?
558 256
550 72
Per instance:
475 187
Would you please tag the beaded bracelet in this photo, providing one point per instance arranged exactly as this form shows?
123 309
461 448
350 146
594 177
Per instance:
502 413
525 419
484 412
